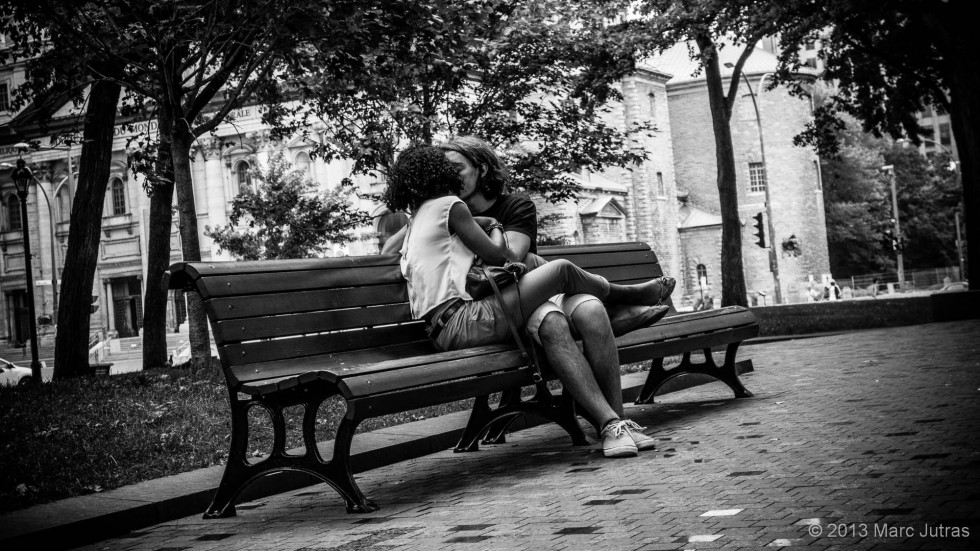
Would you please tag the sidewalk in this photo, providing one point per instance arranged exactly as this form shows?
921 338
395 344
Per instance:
863 440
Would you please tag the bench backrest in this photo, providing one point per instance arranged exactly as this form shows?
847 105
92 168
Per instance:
267 311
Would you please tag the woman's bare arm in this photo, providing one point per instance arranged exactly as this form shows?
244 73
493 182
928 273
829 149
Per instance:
492 249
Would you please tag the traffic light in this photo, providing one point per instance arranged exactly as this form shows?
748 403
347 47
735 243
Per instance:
760 231
95 304
890 236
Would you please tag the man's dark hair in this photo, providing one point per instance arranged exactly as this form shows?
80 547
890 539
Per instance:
481 154
420 173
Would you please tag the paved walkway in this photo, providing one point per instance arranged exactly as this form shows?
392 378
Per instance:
866 440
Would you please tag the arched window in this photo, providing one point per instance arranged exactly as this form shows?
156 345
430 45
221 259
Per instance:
242 178
14 222
118 190
302 164
702 274
63 204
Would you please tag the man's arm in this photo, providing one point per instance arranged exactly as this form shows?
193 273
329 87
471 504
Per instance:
394 243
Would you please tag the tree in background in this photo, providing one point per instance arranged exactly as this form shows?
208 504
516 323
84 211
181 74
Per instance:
890 60
535 79
857 203
928 194
287 215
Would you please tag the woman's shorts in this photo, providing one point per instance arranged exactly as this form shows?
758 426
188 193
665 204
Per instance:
476 323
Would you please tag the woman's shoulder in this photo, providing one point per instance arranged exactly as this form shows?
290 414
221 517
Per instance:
444 201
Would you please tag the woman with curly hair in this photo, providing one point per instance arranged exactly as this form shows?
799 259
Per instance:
439 251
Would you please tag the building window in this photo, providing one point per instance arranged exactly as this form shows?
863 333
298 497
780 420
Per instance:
653 106
4 96
14 222
816 167
302 164
811 63
661 190
945 137
63 204
243 177
702 275
757 178
811 45
118 197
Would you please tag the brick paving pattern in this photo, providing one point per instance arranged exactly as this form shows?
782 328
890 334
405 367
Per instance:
857 441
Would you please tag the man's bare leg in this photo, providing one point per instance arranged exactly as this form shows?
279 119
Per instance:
573 370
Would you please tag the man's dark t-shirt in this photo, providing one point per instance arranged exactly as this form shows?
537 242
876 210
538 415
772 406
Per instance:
516 214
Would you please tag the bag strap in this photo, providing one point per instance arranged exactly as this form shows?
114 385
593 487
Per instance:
531 361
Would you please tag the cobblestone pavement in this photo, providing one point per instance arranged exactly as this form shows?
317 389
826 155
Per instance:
860 441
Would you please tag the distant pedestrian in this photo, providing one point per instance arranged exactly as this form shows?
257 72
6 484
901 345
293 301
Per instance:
874 288
833 291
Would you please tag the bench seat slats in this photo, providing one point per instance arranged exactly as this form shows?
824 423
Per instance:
640 351
360 362
617 258
272 304
297 324
405 400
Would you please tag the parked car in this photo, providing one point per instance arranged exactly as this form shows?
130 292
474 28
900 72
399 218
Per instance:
12 375
954 287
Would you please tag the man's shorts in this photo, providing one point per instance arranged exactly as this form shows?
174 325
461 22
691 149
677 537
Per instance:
558 303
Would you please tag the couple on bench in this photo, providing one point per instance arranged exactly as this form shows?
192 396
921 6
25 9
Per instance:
556 301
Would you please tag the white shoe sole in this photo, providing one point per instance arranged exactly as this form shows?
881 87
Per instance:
620 451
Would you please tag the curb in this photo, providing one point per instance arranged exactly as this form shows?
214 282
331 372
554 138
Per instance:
91 518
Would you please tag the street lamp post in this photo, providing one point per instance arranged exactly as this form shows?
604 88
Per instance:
773 258
890 169
22 177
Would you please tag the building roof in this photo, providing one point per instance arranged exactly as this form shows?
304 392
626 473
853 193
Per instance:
599 203
693 217
597 182
677 61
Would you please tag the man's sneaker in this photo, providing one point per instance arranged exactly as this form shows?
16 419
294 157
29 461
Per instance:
642 441
617 440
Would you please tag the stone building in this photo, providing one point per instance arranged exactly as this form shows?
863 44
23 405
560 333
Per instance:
671 200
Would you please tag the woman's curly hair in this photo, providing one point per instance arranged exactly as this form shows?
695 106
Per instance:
420 173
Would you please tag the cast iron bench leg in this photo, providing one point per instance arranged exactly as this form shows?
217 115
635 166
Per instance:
483 418
237 470
726 373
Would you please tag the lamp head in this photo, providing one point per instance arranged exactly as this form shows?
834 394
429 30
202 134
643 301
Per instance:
22 178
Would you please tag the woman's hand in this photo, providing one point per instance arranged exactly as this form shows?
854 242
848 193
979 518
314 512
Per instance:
492 249
484 221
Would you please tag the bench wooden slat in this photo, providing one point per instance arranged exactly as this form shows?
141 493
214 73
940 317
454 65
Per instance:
617 258
263 282
396 379
271 304
286 325
399 401
313 345
361 362
629 353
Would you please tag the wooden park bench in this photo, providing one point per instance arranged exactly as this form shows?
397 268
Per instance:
296 332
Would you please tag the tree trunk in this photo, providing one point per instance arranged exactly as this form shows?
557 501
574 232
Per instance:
181 140
158 250
964 115
81 258
732 273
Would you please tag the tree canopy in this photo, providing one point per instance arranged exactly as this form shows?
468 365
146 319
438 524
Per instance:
535 79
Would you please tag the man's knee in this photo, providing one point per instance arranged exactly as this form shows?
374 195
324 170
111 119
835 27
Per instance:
590 316
554 328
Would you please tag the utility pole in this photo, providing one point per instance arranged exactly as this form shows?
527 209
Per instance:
890 169
959 246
